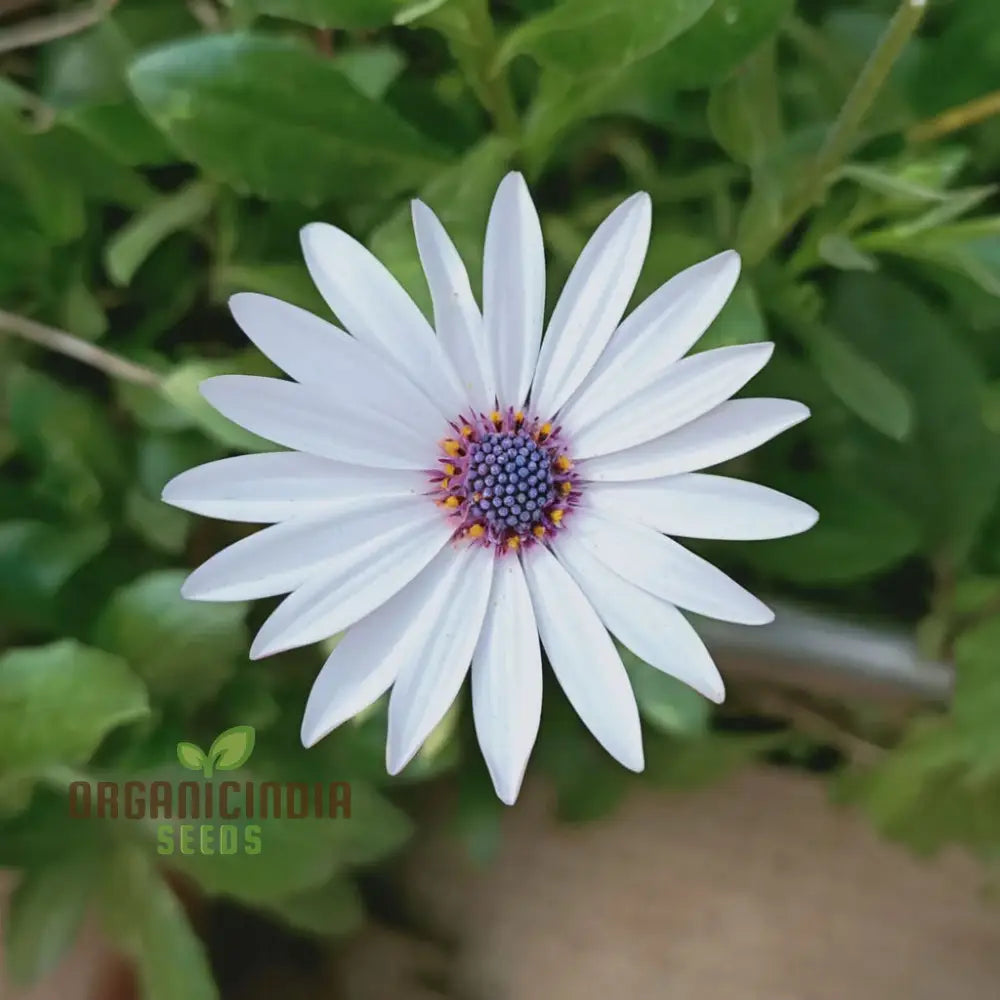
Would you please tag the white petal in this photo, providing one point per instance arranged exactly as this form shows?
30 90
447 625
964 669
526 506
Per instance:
652 629
668 570
656 334
433 668
359 579
375 308
698 506
689 389
347 426
304 346
457 319
732 429
282 557
591 304
513 289
584 658
507 680
276 486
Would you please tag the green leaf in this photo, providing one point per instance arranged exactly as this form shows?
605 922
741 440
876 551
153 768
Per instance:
373 69
67 437
600 36
51 194
352 14
858 535
180 387
859 383
142 915
58 702
290 282
665 702
947 473
45 915
184 650
841 252
232 748
331 910
274 119
132 244
121 130
300 855
36 561
729 31
191 756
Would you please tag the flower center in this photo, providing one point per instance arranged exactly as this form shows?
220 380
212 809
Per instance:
506 479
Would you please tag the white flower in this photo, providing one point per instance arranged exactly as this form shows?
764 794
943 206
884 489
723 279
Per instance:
451 498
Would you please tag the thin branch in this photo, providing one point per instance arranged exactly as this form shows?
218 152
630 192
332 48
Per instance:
45 29
954 119
81 350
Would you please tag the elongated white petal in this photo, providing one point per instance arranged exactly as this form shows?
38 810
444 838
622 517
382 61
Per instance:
276 486
457 319
432 672
591 304
360 578
668 570
318 354
694 505
280 558
302 345
651 628
731 429
507 680
584 658
658 332
348 428
513 289
690 389
374 307
367 661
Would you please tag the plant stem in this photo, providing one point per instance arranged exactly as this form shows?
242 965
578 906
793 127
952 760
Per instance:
843 133
970 113
491 85
45 29
75 347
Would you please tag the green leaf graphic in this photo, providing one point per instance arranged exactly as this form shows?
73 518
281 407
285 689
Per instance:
191 756
232 748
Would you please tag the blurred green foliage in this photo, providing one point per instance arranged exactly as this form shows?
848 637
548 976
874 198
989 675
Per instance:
157 156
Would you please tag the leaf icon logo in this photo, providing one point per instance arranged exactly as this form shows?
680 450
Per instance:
230 749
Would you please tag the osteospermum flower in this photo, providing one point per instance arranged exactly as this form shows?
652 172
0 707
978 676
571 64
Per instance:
456 493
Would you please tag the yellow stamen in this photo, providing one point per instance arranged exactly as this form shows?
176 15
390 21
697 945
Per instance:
513 543
566 487
451 502
496 417
519 417
544 431
556 516
450 469
451 447
563 464
477 531
538 530
444 484
466 431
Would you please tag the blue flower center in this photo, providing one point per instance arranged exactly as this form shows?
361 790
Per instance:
512 475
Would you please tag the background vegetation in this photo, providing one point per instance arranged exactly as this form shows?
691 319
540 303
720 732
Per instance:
156 156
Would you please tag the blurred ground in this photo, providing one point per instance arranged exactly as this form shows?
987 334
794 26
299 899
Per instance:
755 889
